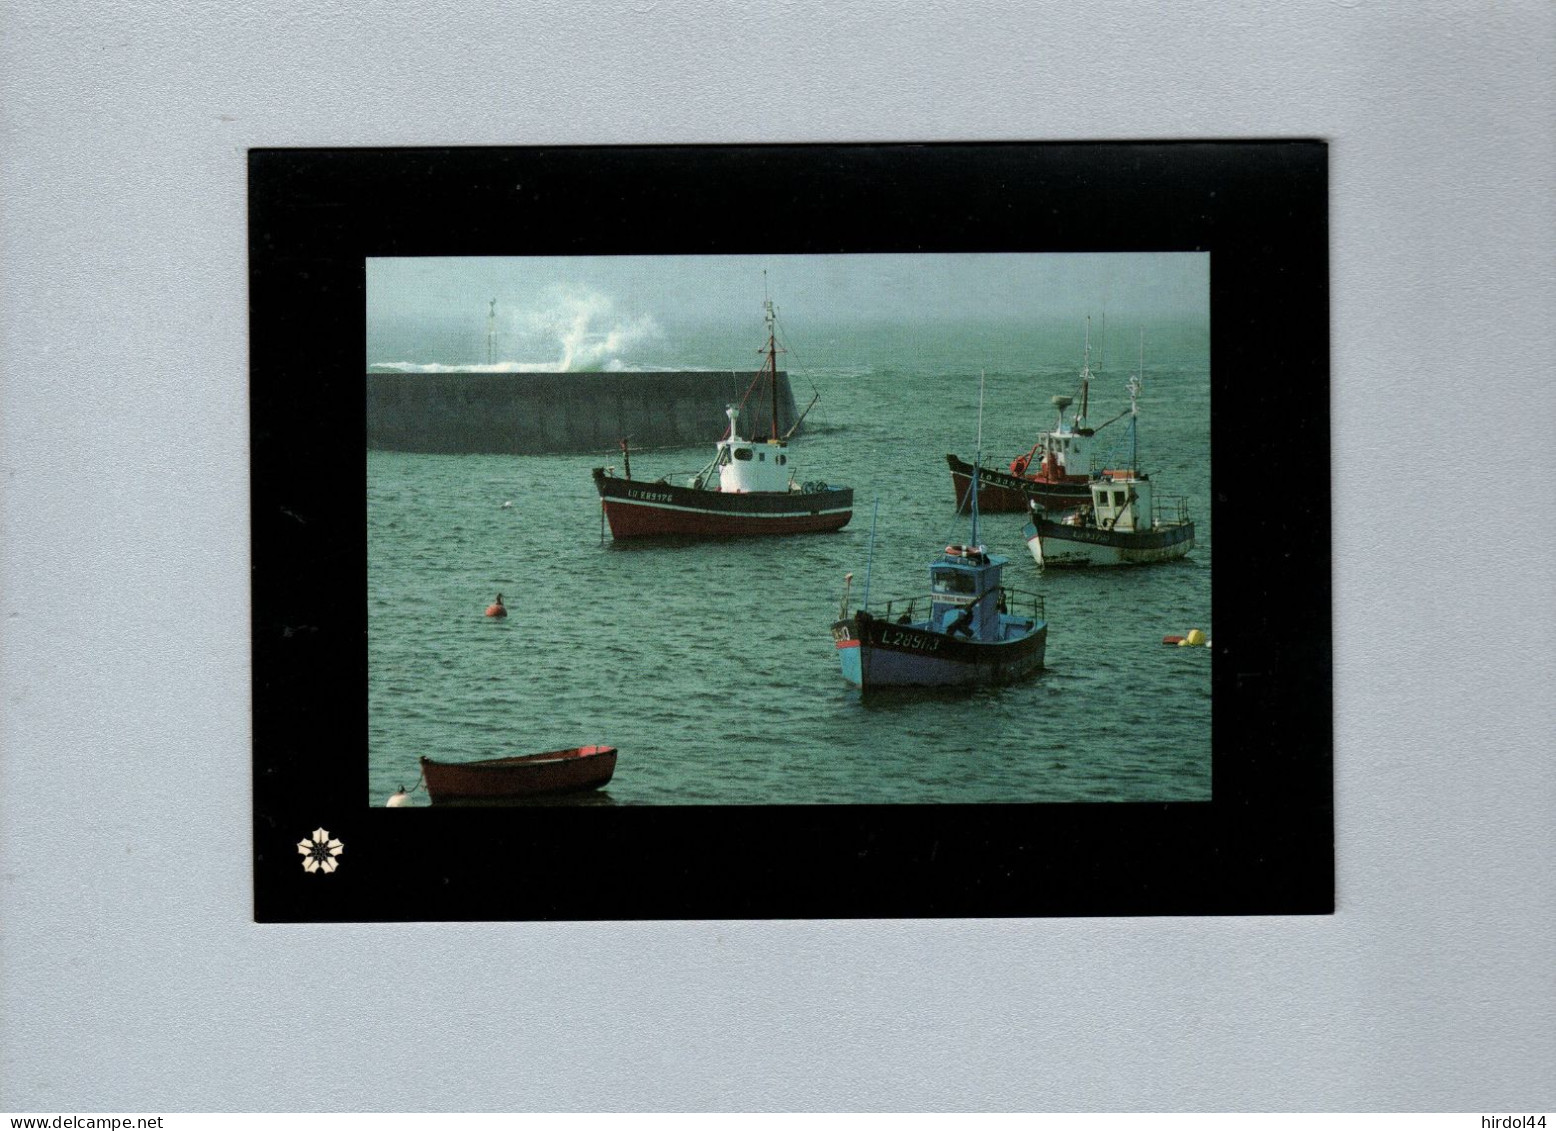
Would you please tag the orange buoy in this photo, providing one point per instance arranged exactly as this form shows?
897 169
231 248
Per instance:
497 608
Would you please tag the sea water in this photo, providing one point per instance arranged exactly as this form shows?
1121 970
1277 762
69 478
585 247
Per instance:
710 664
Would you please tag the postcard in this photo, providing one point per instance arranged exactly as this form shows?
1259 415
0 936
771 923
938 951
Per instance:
791 532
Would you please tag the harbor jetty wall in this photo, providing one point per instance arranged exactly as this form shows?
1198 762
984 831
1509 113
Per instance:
544 413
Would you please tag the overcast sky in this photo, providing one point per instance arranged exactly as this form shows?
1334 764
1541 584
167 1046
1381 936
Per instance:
809 288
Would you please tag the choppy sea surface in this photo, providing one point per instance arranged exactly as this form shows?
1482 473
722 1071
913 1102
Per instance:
710 665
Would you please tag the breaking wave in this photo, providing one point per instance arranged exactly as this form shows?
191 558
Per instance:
615 365
571 329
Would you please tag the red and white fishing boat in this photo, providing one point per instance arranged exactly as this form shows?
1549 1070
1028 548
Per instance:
1124 523
750 487
1054 474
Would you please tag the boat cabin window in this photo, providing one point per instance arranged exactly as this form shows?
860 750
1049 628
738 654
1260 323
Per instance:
954 581
782 460
761 457
743 453
1118 498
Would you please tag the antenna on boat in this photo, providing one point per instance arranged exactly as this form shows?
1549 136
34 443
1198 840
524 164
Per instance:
491 329
980 411
869 560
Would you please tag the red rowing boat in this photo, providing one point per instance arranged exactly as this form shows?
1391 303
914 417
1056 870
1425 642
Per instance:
527 775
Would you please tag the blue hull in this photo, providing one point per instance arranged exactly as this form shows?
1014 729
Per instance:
880 654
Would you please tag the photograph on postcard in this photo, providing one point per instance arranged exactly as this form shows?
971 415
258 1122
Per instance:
705 529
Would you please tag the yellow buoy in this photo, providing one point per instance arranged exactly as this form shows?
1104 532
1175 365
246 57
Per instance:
1193 639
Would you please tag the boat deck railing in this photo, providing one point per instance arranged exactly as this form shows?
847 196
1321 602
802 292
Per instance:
1013 602
1167 510
1022 603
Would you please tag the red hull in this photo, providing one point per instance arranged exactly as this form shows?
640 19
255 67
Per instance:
638 508
1002 493
498 779
629 520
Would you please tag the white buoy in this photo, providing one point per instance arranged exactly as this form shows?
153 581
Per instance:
397 800
507 504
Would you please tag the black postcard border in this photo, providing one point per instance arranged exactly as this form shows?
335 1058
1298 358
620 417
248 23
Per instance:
1263 845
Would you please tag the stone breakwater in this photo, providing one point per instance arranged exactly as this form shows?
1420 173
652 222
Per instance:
541 413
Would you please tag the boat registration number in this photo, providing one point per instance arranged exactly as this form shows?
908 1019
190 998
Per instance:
1080 534
649 496
896 637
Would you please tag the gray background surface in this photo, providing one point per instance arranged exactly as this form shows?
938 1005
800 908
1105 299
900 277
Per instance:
132 978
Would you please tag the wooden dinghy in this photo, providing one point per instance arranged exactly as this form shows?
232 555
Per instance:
526 775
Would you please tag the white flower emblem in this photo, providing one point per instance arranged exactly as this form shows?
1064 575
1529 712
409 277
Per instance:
319 853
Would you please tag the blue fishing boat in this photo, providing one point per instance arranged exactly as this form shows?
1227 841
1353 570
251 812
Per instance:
968 630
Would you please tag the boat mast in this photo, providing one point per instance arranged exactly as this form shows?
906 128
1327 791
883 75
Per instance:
491 329
772 353
1134 409
977 461
772 364
1085 374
